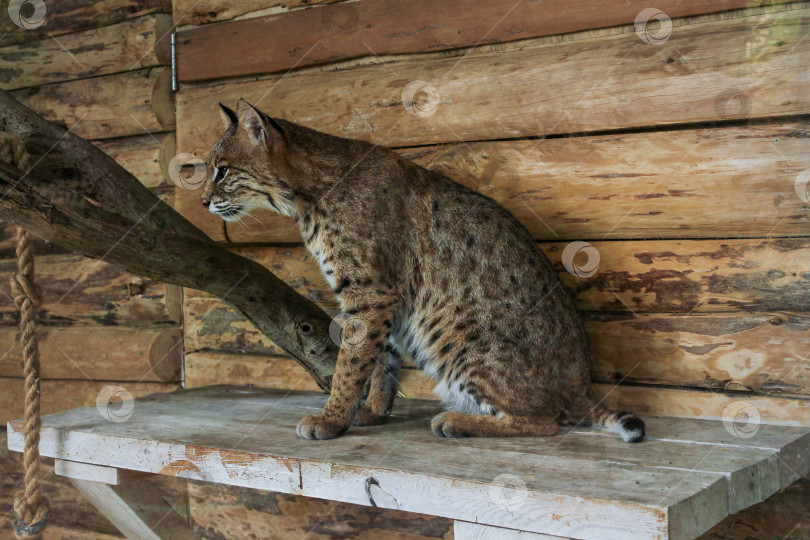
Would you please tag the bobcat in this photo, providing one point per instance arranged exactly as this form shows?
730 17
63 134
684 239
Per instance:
433 270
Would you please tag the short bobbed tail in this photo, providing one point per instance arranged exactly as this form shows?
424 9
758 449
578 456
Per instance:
628 426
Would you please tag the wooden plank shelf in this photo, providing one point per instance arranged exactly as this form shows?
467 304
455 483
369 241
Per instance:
686 477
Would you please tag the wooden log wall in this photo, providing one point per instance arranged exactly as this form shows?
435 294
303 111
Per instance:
101 69
676 158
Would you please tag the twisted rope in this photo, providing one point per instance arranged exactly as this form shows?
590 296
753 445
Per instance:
31 509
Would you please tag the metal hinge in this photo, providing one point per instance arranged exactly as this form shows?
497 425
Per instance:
174 61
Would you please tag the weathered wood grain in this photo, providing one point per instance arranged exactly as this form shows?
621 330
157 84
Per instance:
755 353
786 516
683 403
245 514
210 368
77 196
114 354
611 82
69 16
81 291
464 530
188 12
270 456
760 353
721 182
58 395
71 516
641 276
692 275
144 156
134 44
336 32
120 105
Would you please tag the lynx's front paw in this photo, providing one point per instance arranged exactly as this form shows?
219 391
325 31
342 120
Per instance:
364 416
320 427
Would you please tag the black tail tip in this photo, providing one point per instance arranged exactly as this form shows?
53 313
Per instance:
632 429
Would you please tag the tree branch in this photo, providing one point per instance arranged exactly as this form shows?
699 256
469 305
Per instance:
76 196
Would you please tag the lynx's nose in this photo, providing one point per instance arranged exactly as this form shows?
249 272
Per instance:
205 202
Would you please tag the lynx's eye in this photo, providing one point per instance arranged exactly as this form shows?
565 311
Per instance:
220 173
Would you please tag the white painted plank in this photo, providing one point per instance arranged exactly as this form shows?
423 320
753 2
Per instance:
463 530
85 471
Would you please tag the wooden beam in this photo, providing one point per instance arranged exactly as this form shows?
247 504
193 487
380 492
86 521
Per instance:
605 83
113 354
119 105
668 184
331 33
210 368
87 292
78 197
136 510
187 12
134 44
69 16
675 276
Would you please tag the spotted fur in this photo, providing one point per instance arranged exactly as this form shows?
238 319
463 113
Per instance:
435 272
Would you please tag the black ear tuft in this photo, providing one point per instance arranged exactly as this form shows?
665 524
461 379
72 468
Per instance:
228 115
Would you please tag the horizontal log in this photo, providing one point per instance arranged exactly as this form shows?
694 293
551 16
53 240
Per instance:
187 12
722 182
113 354
695 276
337 32
212 368
134 44
204 369
762 353
759 353
69 16
236 513
87 292
606 83
57 395
120 105
655 401
147 157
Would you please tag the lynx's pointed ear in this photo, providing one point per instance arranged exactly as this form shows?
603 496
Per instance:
260 127
228 116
